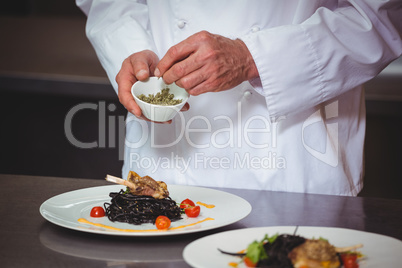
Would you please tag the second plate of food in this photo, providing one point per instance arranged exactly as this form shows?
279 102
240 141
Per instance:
378 250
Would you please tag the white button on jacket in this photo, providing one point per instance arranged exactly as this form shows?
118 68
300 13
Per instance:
255 29
302 129
247 94
181 24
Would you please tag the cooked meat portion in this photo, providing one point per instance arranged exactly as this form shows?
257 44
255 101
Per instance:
142 185
314 254
147 186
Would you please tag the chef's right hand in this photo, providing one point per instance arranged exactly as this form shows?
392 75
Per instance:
137 67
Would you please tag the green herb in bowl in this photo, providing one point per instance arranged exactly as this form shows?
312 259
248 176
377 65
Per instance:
161 98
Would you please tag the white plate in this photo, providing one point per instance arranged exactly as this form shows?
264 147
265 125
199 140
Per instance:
380 250
65 209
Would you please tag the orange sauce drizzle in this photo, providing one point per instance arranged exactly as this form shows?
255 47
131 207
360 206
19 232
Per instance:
82 220
205 205
236 264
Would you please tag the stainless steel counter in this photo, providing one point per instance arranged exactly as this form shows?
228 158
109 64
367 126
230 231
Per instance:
28 240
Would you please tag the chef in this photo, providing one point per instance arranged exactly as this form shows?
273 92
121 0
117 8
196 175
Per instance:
276 87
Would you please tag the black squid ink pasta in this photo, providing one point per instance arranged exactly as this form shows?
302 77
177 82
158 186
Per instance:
138 209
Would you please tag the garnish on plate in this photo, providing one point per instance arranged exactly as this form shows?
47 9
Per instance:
295 251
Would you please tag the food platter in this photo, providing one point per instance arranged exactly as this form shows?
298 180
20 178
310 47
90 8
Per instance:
65 210
379 250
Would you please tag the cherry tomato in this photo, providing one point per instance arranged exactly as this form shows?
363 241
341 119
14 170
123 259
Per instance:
193 212
248 262
187 203
97 212
349 260
162 223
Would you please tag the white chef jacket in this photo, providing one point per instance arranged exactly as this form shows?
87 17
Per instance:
299 127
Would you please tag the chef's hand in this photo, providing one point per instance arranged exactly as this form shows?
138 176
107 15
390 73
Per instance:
137 67
205 62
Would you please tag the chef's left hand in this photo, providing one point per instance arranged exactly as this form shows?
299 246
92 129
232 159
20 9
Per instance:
206 62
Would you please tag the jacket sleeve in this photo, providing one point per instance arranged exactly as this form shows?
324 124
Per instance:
319 58
116 29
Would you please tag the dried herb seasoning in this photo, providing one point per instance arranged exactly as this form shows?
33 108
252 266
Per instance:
161 98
